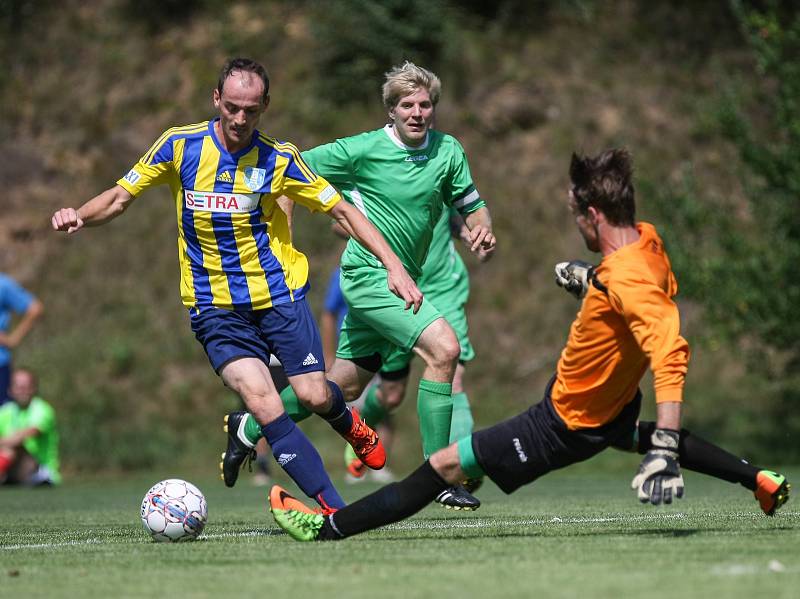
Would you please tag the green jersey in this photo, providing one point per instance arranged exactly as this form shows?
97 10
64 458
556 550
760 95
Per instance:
443 269
40 415
401 190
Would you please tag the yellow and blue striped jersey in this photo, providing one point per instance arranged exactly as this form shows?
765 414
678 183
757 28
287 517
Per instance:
234 243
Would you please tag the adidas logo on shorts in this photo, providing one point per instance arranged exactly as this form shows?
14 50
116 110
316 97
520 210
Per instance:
285 458
310 359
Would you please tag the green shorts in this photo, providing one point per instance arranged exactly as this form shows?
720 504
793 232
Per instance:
451 303
377 321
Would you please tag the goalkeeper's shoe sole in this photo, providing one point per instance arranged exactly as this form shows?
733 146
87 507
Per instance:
238 451
298 520
772 491
457 498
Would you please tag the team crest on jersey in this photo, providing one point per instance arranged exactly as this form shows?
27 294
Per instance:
254 177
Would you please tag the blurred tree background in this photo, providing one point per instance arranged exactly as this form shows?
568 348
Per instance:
705 94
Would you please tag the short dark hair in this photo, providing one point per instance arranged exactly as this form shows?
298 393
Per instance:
244 64
605 182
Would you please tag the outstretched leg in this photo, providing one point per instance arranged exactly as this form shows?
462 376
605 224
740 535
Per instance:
697 454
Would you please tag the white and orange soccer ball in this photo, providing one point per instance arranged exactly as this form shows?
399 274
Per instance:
174 511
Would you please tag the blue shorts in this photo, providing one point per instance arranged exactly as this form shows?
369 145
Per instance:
287 330
5 381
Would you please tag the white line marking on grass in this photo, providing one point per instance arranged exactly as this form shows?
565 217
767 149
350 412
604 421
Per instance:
53 545
490 522
469 523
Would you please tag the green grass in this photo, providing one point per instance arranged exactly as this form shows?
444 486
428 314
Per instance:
575 533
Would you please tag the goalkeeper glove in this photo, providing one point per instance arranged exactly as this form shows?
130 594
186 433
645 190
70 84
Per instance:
659 476
574 276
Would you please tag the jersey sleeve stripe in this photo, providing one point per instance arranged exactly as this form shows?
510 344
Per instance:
298 159
471 197
174 131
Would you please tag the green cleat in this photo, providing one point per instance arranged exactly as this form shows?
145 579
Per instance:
297 520
772 491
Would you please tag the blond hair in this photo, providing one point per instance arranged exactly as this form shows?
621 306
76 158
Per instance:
407 79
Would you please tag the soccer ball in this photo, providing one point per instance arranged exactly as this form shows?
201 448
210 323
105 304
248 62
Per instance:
174 511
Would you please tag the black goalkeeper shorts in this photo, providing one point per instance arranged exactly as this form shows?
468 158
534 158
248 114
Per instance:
519 450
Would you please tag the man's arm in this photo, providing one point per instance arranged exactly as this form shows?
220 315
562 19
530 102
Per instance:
17 438
287 206
359 228
327 331
653 319
29 318
480 239
668 415
97 211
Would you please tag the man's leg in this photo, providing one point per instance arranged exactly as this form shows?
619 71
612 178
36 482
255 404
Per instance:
388 504
537 435
438 347
250 378
462 422
697 454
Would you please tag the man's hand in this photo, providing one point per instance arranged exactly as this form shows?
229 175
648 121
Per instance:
67 219
404 287
482 241
574 276
659 476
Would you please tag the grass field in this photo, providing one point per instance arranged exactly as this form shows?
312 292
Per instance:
577 533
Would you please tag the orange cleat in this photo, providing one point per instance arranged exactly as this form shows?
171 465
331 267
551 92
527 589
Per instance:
365 442
772 491
280 499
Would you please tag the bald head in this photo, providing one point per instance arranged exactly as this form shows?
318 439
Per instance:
23 386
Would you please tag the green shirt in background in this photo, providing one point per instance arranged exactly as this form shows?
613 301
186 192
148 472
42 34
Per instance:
443 268
40 415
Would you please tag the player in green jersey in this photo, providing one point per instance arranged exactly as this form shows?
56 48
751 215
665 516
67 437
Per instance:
28 435
445 284
401 177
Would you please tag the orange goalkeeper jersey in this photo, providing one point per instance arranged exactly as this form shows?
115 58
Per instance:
616 335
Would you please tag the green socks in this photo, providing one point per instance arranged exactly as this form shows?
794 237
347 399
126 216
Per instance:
252 430
297 411
373 412
293 407
443 419
462 423
435 409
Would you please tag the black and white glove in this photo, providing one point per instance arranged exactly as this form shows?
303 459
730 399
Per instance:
659 476
575 276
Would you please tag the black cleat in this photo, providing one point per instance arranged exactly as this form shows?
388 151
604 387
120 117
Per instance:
239 451
457 498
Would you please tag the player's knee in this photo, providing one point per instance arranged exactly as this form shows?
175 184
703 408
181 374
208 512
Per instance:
392 396
446 352
311 395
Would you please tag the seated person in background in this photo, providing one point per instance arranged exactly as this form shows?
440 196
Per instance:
28 435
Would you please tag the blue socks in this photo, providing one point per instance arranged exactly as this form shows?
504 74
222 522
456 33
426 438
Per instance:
339 417
298 457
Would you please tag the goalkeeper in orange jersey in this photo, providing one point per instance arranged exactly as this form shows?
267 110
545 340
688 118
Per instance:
627 322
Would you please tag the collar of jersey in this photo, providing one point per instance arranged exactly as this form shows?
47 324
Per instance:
396 140
220 147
